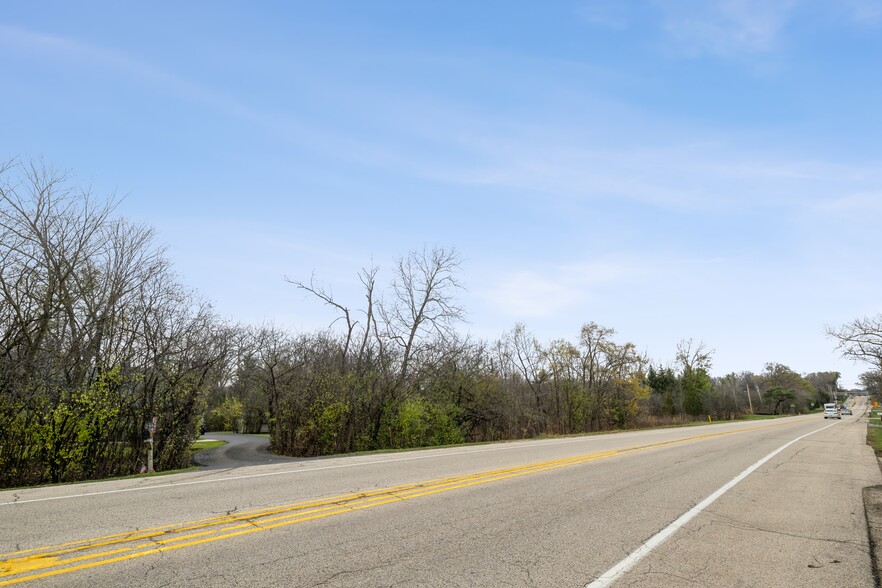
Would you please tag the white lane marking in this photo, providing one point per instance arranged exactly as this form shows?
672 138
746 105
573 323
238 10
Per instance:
304 470
618 570
313 469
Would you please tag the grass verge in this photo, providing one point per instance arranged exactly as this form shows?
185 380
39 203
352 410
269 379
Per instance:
874 432
874 436
207 444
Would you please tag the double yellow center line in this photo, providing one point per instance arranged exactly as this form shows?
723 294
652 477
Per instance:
43 562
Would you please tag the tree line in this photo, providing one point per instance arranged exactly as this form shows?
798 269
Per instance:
98 336
318 395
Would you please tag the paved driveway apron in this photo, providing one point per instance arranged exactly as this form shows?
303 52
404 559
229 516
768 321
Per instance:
240 450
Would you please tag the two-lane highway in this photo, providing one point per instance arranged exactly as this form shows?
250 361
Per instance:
631 509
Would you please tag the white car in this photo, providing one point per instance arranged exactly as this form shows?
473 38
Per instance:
831 411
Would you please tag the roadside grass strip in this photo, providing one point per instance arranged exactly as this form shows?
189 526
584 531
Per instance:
43 562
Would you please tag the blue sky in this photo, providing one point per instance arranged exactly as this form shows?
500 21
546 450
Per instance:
671 169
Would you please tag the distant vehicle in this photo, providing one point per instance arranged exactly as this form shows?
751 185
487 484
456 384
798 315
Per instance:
831 411
845 410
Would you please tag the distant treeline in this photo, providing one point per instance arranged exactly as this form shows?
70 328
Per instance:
98 337
321 394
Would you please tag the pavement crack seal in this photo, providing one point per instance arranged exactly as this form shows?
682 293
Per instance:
32 564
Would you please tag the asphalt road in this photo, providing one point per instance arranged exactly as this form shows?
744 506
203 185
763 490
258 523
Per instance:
560 512
240 450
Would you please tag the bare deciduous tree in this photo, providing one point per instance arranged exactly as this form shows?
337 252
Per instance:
694 356
861 339
423 301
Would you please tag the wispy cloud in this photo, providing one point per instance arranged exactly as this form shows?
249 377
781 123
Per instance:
621 154
563 159
726 27
528 294
867 12
730 28
608 14
553 290
284 125
687 175
87 55
859 206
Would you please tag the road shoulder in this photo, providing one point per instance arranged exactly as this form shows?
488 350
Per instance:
811 532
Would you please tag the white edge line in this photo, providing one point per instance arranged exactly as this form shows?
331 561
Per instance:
297 471
315 469
618 570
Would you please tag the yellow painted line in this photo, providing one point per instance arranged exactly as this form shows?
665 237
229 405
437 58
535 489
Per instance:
27 564
228 526
177 527
249 515
182 538
192 525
